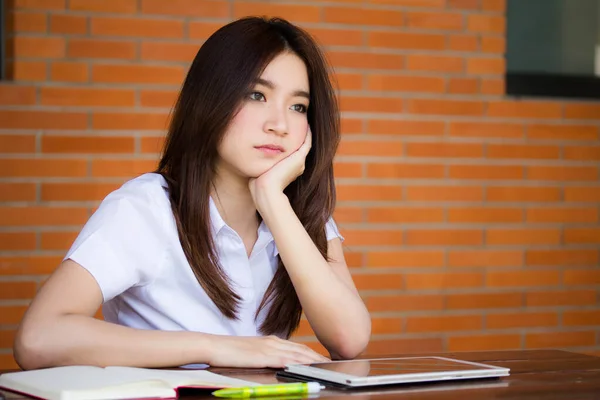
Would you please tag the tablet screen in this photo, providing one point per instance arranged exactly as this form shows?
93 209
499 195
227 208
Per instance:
364 368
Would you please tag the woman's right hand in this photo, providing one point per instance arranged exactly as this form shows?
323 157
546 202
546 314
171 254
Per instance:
259 352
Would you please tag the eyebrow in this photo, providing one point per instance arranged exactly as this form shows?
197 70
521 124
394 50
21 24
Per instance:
271 85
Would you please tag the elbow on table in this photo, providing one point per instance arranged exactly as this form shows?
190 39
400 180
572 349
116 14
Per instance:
350 345
29 349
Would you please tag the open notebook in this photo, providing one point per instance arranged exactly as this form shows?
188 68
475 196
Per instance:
91 383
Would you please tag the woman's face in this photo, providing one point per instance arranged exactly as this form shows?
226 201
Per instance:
272 122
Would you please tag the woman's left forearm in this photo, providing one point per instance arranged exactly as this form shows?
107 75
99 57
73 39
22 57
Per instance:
332 306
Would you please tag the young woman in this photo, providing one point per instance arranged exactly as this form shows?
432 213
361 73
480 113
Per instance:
213 257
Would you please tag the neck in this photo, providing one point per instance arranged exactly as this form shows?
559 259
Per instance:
232 197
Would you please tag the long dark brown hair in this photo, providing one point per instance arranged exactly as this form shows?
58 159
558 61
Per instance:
221 75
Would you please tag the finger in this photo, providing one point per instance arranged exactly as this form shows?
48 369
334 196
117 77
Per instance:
306 350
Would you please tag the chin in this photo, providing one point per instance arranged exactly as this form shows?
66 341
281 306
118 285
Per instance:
256 170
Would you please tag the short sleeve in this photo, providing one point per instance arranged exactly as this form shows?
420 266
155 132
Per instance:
332 230
121 244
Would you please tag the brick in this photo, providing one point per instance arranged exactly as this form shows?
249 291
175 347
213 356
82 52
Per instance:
122 168
587 153
484 215
76 191
448 237
524 109
26 70
104 49
362 16
378 281
492 66
100 6
424 84
42 216
136 27
446 323
412 3
368 192
13 241
580 257
69 72
486 172
493 5
581 317
187 8
446 107
463 42
402 127
556 298
582 111
429 20
57 240
201 30
484 342
39 4
168 51
516 151
463 86
353 259
484 300
17 143
348 214
304 329
28 265
493 86
521 320
571 174
368 148
441 281
559 339
524 236
373 237
293 12
130 121
37 47
404 214
406 259
423 62
17 191
493 44
35 167
463 4
27 22
7 362
562 132
152 144
581 277
454 150
365 60
389 325
63 24
522 278
15 290
405 171
404 346
587 194
348 81
88 144
562 215
349 126
158 98
371 104
407 41
137 74
581 235
523 194
348 170
7 338
337 37
485 258
406 302
486 23
11 315
486 129
444 193
87 97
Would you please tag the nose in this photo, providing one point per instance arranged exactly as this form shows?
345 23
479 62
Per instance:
276 120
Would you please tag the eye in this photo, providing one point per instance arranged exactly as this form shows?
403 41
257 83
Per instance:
301 108
258 96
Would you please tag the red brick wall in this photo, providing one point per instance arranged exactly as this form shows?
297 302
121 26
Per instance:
471 218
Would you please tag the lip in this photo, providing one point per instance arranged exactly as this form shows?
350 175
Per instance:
270 147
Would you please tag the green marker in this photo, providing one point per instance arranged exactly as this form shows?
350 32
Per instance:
285 389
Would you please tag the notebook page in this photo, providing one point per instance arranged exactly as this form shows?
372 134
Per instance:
182 378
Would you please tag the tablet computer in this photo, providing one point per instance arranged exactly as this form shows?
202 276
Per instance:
382 371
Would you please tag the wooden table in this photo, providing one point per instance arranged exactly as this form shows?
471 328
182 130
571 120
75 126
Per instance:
535 374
